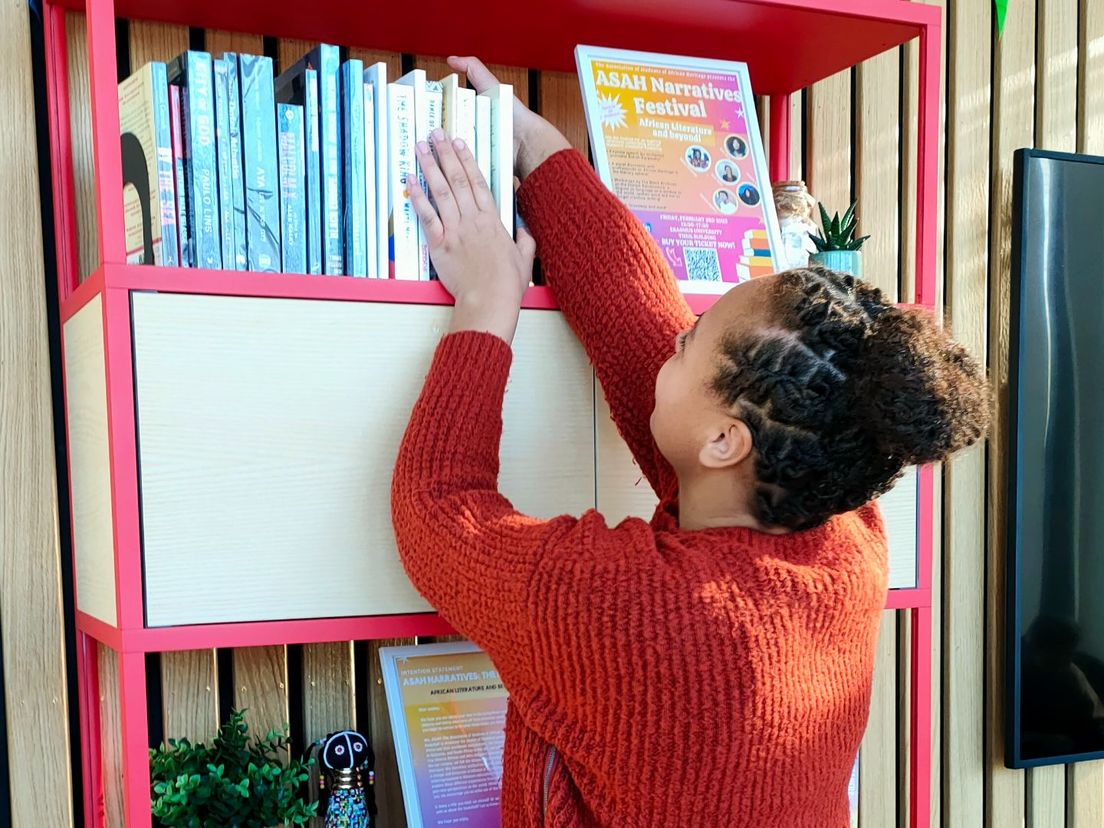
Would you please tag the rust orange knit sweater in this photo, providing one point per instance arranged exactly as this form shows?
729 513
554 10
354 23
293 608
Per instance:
657 677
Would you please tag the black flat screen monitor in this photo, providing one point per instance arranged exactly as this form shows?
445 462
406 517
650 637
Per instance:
1055 618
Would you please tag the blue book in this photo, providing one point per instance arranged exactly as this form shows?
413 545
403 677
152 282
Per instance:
352 110
259 159
293 214
194 74
302 88
237 185
326 60
222 143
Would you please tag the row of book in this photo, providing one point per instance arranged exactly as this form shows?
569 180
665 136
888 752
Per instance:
226 166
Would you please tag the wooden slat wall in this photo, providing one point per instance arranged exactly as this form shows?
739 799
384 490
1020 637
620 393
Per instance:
1042 82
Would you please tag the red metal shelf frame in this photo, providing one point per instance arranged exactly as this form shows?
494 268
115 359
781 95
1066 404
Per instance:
788 45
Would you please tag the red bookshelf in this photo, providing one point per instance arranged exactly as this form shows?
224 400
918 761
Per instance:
788 45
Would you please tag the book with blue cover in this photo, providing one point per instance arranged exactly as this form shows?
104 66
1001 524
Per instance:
355 163
193 72
261 168
299 85
180 179
326 60
237 184
149 192
375 77
222 145
293 215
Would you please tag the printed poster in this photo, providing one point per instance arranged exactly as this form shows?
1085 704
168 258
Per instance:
448 716
677 140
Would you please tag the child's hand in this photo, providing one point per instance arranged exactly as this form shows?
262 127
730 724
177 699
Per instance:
534 138
476 259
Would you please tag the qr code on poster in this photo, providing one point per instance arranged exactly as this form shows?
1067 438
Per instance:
702 264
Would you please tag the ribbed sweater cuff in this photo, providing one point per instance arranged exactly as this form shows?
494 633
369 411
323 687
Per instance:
543 197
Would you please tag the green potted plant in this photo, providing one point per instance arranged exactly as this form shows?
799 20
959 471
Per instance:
234 782
836 245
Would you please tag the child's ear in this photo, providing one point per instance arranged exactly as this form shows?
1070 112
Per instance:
729 444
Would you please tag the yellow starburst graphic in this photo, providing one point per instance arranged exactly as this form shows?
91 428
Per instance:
612 113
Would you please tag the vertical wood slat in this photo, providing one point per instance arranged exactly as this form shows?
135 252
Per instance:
155 41
260 686
1090 110
189 693
1013 118
828 140
964 479
561 103
1055 121
31 612
111 737
392 813
217 42
1085 788
80 127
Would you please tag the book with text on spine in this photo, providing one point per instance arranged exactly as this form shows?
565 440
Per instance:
355 163
293 215
501 142
370 186
415 80
193 73
262 176
677 140
299 85
237 184
402 221
149 192
434 120
222 145
376 77
184 243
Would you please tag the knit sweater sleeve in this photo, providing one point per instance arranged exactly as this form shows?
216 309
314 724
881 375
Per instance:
464 547
615 290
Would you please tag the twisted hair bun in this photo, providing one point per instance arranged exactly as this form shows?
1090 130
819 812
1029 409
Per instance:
843 393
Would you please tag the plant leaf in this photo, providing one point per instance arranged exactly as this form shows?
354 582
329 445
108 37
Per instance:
850 212
825 222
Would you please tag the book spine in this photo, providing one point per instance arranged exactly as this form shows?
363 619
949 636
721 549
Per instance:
330 135
377 76
314 172
184 239
237 183
202 161
450 90
402 222
289 119
502 153
465 117
222 146
483 136
166 191
434 104
352 106
262 196
370 185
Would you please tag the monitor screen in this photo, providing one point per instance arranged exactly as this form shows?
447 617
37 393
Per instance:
1055 620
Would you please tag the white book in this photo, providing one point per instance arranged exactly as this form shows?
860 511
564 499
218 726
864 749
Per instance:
465 117
502 151
371 184
416 81
450 93
376 75
435 109
483 136
402 221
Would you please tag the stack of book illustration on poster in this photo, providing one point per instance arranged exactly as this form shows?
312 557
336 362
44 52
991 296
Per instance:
229 166
677 140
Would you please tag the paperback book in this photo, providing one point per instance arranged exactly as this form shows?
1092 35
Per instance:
262 177
293 214
677 140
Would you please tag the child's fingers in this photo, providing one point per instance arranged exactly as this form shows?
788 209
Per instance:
438 186
480 191
431 222
480 76
454 172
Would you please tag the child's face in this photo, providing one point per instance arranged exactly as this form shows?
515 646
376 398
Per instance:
690 425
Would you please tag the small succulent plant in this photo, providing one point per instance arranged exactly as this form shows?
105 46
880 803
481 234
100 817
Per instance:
837 233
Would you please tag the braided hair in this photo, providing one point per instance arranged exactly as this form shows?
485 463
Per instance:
842 393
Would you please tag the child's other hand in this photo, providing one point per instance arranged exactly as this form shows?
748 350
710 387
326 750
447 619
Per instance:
534 138
476 259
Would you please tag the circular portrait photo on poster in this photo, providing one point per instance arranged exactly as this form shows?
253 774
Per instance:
697 158
724 201
748 194
727 172
736 146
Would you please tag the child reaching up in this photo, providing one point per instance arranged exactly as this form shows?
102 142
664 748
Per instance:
710 667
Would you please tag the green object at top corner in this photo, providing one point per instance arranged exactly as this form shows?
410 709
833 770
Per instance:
1002 12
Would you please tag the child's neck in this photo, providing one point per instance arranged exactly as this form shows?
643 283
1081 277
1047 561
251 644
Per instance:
714 500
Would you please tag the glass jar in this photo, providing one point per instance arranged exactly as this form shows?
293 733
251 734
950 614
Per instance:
796 211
